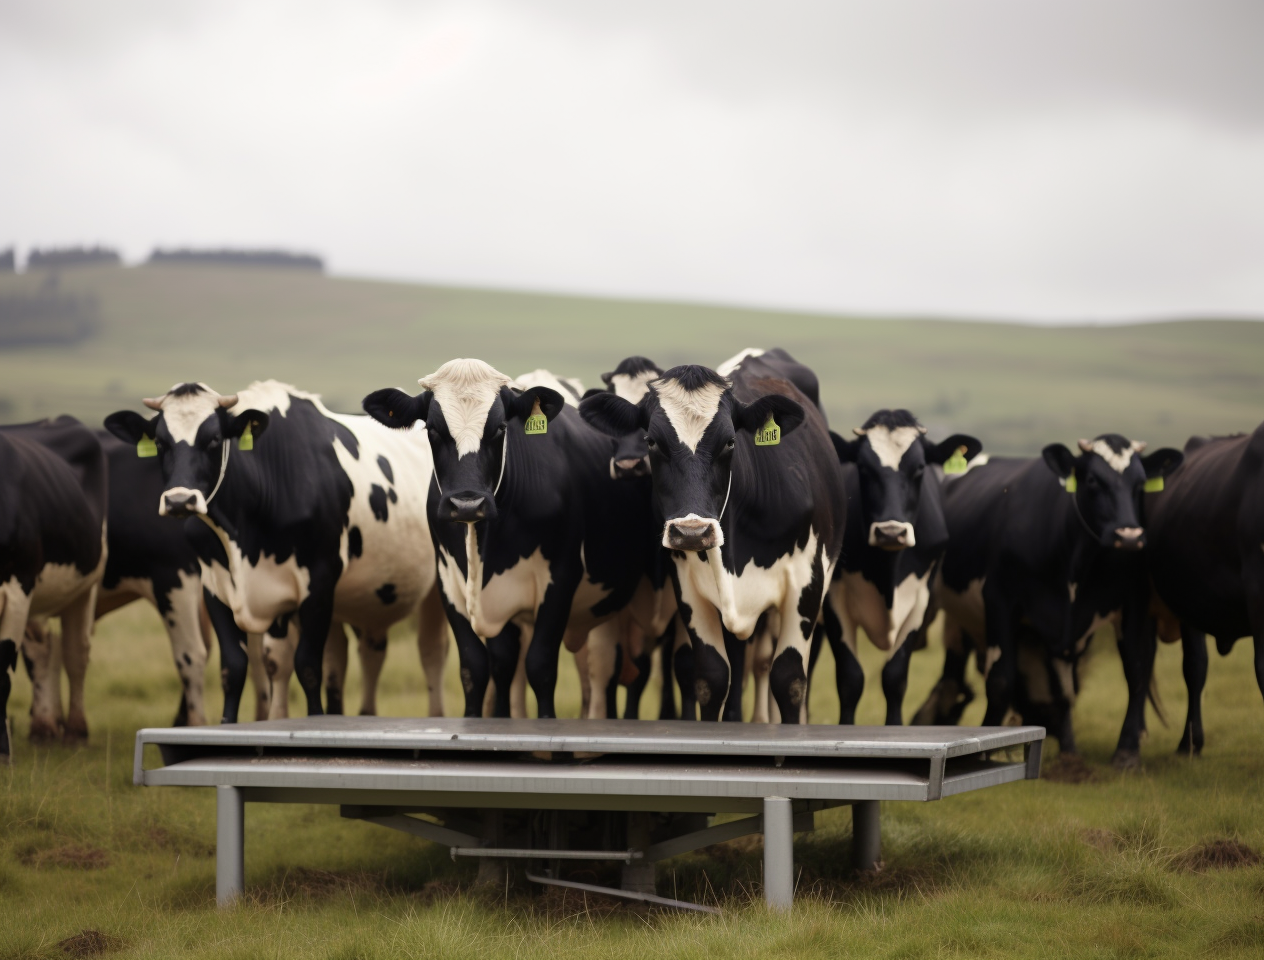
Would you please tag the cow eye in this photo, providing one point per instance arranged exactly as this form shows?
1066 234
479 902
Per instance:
649 442
213 442
732 443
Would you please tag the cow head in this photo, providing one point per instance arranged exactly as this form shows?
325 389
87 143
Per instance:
192 432
630 380
1107 480
692 425
468 407
891 454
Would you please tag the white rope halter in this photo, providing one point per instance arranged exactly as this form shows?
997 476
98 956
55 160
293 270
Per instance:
223 469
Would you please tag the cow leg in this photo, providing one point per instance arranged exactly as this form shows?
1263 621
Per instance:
666 654
1194 667
546 639
43 665
644 663
736 650
183 619
951 694
788 679
603 668
840 631
711 665
76 644
232 654
259 678
1137 642
682 667
8 665
372 650
277 653
503 652
585 680
1000 666
315 614
432 645
472 654
334 667
895 681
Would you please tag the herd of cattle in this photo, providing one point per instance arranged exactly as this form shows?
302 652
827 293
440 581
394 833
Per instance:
708 514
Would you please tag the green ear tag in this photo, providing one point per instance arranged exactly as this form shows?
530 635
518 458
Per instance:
247 439
769 435
537 422
1070 484
957 462
145 447
1154 485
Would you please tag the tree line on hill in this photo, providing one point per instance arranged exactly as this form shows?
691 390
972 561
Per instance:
56 258
47 316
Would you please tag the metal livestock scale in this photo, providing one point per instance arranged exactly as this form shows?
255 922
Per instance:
472 777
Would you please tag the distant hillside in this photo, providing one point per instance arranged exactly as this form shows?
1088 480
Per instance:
1016 387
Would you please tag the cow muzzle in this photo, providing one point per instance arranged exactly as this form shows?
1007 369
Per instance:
182 502
892 535
692 533
1129 538
630 468
468 508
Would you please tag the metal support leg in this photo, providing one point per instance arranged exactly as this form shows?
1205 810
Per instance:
778 853
230 842
638 875
866 835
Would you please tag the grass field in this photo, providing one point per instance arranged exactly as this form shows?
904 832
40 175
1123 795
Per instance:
1087 862
1016 388
1108 867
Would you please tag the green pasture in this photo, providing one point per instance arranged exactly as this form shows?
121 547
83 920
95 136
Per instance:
1086 863
1017 388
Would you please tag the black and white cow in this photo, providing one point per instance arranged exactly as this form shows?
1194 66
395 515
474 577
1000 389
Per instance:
151 558
1040 554
536 542
1206 558
896 535
746 475
53 498
307 515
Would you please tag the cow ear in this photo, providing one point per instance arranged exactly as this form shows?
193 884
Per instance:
592 392
130 426
520 405
1059 459
611 414
942 451
1161 463
847 450
395 408
256 420
788 413
607 377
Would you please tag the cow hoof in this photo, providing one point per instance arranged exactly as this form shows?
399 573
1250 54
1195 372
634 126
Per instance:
1184 750
75 732
45 731
1126 759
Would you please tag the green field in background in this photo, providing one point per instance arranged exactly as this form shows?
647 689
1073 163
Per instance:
1015 387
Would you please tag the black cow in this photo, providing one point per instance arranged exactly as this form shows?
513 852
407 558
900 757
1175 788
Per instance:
1206 558
53 494
151 558
1040 554
536 542
896 535
321 518
754 514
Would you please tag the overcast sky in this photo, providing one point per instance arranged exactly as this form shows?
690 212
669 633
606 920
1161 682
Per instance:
1041 161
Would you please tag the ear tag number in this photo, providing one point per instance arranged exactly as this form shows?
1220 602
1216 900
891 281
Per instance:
1070 484
247 439
145 447
957 462
1154 484
537 422
769 435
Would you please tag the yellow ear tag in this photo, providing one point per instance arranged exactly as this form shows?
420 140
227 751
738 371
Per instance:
957 462
1070 484
247 439
537 422
769 435
1154 485
145 447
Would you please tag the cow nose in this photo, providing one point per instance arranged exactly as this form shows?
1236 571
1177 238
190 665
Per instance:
468 510
691 534
1129 538
179 503
631 467
890 535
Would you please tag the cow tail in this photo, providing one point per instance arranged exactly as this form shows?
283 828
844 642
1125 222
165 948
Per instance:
1156 701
